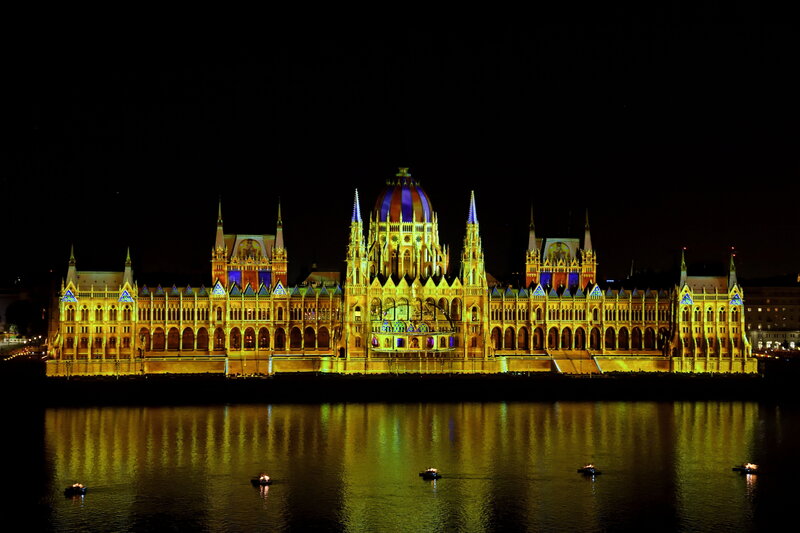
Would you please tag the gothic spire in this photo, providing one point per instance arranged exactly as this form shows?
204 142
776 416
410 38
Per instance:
356 209
587 238
472 216
279 232
732 271
532 234
219 242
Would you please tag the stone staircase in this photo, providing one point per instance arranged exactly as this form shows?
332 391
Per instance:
572 362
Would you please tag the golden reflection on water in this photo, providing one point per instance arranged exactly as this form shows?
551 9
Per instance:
355 466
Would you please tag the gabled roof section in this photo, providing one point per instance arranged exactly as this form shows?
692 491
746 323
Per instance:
566 293
609 293
294 291
70 297
188 291
279 289
510 293
262 290
323 291
159 291
539 290
596 292
495 293
522 293
736 300
235 290
218 289
124 296
203 291
248 291
174 291
337 291
144 291
552 293
580 293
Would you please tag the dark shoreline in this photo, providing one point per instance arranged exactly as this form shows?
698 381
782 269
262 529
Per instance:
316 388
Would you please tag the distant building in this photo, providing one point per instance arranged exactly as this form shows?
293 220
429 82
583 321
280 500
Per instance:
773 314
399 307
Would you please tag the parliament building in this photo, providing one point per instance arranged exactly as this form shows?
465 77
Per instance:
400 307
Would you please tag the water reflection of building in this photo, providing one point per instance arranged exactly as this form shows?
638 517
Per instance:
400 309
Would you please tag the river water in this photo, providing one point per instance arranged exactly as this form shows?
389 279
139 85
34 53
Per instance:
354 467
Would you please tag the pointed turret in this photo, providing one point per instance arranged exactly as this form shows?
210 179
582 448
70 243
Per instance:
732 272
472 216
532 234
683 267
356 209
127 277
587 238
472 265
72 273
219 242
279 232
279 259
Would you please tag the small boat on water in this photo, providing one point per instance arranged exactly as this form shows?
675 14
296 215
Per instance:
430 473
76 489
589 470
261 481
746 468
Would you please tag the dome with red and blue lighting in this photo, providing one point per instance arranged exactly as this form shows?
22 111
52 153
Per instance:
403 195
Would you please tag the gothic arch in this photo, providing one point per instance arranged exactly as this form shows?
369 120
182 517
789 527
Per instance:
263 338
580 339
323 338
522 338
508 339
280 339
594 339
622 341
309 339
552 339
219 340
610 339
159 340
249 339
566 339
636 339
496 338
202 339
538 338
187 340
295 339
236 339
649 339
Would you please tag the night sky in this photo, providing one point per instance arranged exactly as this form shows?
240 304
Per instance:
671 133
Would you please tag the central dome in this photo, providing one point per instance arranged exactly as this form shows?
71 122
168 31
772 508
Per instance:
403 196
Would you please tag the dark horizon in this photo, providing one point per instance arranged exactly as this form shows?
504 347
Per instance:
671 135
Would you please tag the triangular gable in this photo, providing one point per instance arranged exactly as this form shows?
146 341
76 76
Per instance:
539 290
188 291
262 291
202 291
235 290
566 293
622 293
403 283
580 293
323 291
337 291
69 296
552 293
686 299
495 292
295 291
510 293
218 289
429 284
248 291
125 296
279 289
635 293
389 283
596 292
736 300
159 291
609 293
376 283
175 291
522 293
456 283
145 291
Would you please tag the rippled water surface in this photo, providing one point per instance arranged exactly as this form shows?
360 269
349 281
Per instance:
353 467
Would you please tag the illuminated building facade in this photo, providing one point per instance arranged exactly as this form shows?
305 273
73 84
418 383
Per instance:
399 310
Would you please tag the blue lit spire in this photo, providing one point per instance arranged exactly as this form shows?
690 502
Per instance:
356 209
472 217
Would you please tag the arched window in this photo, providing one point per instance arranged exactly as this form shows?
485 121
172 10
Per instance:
280 339
697 314
70 314
84 314
566 339
580 339
323 338
70 343
219 340
722 315
636 339
538 337
594 339
552 339
112 314
522 339
595 314
173 339
295 339
280 313
126 313
309 338
98 314
159 340
455 309
474 314
187 342
709 315
202 339
508 339
623 339
219 313
236 339
496 339
735 314
263 338
249 339
611 339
